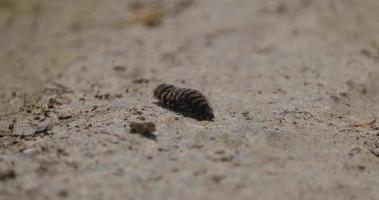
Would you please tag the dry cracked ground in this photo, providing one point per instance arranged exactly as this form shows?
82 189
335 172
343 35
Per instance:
294 85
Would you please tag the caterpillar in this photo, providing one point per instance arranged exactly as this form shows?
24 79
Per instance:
189 102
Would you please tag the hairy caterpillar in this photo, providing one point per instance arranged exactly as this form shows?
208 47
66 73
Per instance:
188 102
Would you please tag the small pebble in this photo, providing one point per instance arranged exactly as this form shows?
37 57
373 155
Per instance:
375 151
145 129
8 174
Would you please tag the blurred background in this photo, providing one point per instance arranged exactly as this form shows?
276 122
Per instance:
294 85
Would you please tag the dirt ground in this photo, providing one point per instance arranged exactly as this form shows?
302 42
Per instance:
294 85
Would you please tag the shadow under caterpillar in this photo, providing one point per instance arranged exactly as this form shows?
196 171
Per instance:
189 102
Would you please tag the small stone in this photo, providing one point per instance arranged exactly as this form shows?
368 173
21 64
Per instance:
11 125
63 193
141 81
375 151
355 151
113 140
142 118
24 130
145 129
7 175
44 127
150 16
220 152
221 156
217 178
29 151
52 103
160 149
361 167
95 107
64 116
119 68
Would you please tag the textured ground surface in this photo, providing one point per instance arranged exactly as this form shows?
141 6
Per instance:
294 85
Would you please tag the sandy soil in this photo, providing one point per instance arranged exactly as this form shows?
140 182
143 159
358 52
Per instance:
293 84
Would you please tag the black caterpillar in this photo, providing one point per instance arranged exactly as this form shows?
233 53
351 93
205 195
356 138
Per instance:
188 102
